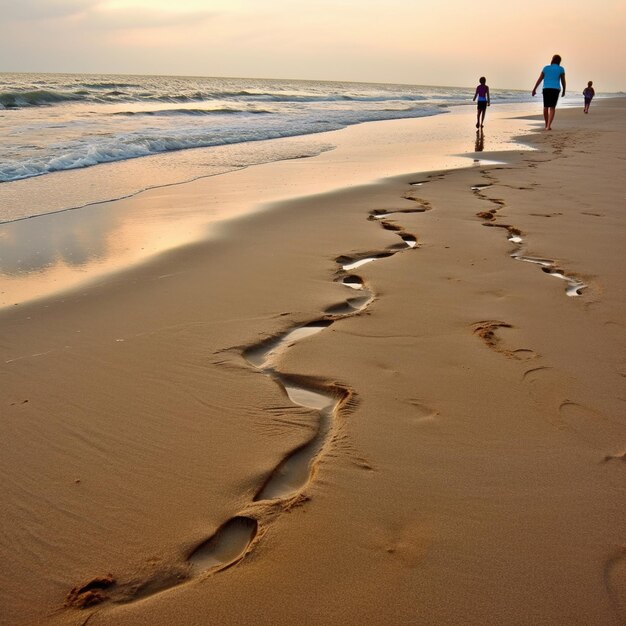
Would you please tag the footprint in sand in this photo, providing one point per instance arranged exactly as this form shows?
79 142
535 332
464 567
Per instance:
226 547
409 240
90 593
349 263
295 471
574 286
355 282
381 215
488 331
264 353
351 305
222 550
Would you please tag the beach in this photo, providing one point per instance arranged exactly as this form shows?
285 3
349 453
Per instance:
442 440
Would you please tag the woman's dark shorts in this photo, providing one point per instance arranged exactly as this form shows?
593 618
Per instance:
482 105
550 97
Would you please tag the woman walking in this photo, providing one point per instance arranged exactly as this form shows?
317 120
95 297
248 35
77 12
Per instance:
553 76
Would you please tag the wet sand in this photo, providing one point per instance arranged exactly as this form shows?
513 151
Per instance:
394 403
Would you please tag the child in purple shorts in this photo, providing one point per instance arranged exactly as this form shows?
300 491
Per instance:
588 93
484 100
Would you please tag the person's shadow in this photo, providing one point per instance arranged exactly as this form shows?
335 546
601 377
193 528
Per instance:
479 145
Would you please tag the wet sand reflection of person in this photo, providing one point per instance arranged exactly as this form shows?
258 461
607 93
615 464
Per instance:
479 145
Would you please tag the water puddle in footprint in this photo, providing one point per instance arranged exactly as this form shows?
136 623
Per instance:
293 473
307 397
289 477
409 240
382 216
574 287
227 546
530 259
350 306
295 470
354 264
354 282
480 187
260 356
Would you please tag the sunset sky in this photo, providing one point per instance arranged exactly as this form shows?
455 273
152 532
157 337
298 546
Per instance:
408 41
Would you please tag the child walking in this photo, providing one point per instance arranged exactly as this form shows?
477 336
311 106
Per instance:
484 100
588 93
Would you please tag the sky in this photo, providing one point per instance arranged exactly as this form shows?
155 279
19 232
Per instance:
450 42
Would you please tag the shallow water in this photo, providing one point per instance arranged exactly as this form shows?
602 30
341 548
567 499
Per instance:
51 123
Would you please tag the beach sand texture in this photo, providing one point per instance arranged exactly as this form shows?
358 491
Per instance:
442 440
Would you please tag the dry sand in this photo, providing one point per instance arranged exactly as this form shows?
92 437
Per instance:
456 449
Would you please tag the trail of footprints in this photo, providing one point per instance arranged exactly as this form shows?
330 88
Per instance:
284 486
574 286
615 565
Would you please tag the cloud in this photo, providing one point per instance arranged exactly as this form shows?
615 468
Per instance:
137 19
36 10
96 15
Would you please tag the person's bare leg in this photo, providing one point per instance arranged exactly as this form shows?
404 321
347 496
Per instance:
482 117
551 112
545 116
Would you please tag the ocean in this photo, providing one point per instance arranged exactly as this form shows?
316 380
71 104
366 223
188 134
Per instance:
68 140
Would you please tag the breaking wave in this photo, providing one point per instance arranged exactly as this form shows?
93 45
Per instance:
39 97
193 112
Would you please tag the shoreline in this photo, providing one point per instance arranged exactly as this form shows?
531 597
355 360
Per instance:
121 233
473 465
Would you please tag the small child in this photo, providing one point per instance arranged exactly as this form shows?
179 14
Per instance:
588 93
484 100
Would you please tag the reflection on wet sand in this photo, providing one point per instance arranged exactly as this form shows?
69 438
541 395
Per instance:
50 253
72 239
479 145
